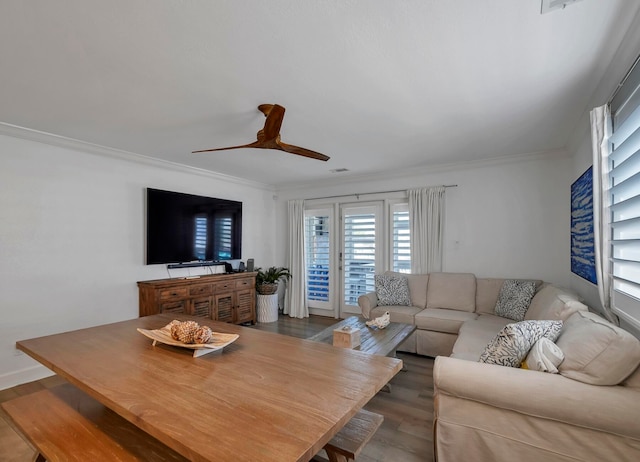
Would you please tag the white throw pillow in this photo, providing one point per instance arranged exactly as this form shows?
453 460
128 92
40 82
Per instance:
392 289
544 356
512 344
515 298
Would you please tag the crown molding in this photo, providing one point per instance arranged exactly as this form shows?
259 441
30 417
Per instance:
429 169
29 134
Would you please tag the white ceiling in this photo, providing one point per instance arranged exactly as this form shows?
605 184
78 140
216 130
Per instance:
378 85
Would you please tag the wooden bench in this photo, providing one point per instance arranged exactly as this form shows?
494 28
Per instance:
65 424
349 441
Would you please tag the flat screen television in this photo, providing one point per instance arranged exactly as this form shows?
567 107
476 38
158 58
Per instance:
186 228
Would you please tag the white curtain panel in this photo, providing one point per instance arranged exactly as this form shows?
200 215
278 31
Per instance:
426 218
600 133
295 299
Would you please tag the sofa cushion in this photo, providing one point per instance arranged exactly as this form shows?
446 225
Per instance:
596 351
441 320
403 314
453 291
514 299
552 302
392 289
512 344
417 288
475 335
633 381
487 291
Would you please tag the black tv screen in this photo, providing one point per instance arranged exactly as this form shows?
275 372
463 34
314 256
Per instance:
185 228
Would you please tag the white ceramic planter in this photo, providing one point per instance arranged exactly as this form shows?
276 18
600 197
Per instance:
267 308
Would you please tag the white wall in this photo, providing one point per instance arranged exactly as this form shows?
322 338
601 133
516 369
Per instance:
72 238
506 218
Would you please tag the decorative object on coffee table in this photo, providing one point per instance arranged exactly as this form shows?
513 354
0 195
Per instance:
267 282
380 322
346 337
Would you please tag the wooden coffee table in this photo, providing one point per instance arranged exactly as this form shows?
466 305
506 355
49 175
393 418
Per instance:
383 342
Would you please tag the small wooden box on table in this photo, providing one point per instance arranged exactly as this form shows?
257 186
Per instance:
346 337
220 297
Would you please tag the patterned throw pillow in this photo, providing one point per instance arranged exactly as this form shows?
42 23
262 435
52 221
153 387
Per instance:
515 298
512 344
392 289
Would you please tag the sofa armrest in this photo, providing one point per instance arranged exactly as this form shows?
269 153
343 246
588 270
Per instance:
613 409
367 302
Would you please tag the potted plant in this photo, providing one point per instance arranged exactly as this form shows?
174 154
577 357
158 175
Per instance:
267 288
267 280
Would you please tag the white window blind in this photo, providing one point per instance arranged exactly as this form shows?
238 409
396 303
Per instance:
359 259
317 251
401 239
624 165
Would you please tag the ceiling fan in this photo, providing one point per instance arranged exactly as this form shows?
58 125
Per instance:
269 136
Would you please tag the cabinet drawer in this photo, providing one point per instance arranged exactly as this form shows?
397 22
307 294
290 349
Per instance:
244 283
169 294
201 290
173 307
225 286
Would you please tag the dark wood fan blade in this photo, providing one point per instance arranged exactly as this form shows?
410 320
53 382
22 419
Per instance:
255 144
273 123
269 136
302 151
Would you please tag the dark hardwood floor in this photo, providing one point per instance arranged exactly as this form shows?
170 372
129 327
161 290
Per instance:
405 435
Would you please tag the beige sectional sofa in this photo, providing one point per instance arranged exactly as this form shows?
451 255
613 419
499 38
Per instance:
590 411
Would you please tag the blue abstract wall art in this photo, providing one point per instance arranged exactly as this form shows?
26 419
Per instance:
583 256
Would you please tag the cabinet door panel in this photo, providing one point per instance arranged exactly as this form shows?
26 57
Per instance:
201 307
245 300
224 307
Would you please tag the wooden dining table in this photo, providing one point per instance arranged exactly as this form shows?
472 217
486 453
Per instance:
265 397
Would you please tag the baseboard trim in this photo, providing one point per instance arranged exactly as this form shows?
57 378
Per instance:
22 376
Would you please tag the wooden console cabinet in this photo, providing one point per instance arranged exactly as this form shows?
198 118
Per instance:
221 297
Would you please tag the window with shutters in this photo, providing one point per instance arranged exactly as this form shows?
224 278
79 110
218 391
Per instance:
624 176
359 253
400 239
317 255
347 244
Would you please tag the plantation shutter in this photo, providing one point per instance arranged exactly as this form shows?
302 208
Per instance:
401 239
624 164
316 241
359 258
